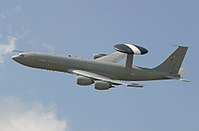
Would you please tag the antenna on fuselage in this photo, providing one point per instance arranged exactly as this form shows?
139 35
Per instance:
130 50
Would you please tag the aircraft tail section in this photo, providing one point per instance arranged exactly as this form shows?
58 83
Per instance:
173 63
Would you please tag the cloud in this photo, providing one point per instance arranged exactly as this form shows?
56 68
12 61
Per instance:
18 8
7 48
2 16
16 115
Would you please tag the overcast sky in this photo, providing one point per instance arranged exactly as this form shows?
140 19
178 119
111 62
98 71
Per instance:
35 100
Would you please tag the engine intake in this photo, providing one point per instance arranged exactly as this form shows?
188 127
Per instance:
84 81
100 85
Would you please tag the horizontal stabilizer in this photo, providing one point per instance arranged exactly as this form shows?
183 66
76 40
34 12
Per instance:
184 80
182 71
177 78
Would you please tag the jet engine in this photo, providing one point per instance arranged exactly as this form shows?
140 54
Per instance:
100 85
84 81
96 56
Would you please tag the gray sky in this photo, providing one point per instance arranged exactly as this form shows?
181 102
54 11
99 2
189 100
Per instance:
32 99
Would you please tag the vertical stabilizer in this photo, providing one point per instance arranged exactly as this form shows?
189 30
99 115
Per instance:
173 63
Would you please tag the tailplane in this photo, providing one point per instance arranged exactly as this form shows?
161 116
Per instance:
181 72
173 63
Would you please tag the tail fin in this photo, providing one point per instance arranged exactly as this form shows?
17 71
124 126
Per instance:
173 63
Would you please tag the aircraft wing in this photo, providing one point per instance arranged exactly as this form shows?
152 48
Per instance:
113 58
103 78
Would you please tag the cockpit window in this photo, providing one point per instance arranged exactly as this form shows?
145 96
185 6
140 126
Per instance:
21 55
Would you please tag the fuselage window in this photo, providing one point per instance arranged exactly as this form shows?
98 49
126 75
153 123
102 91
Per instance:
21 55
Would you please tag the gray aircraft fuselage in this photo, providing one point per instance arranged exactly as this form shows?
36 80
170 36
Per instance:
65 64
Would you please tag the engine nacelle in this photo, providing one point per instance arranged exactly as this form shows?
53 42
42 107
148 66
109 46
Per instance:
84 81
100 85
96 56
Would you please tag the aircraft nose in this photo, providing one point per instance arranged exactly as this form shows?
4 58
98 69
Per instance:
15 58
